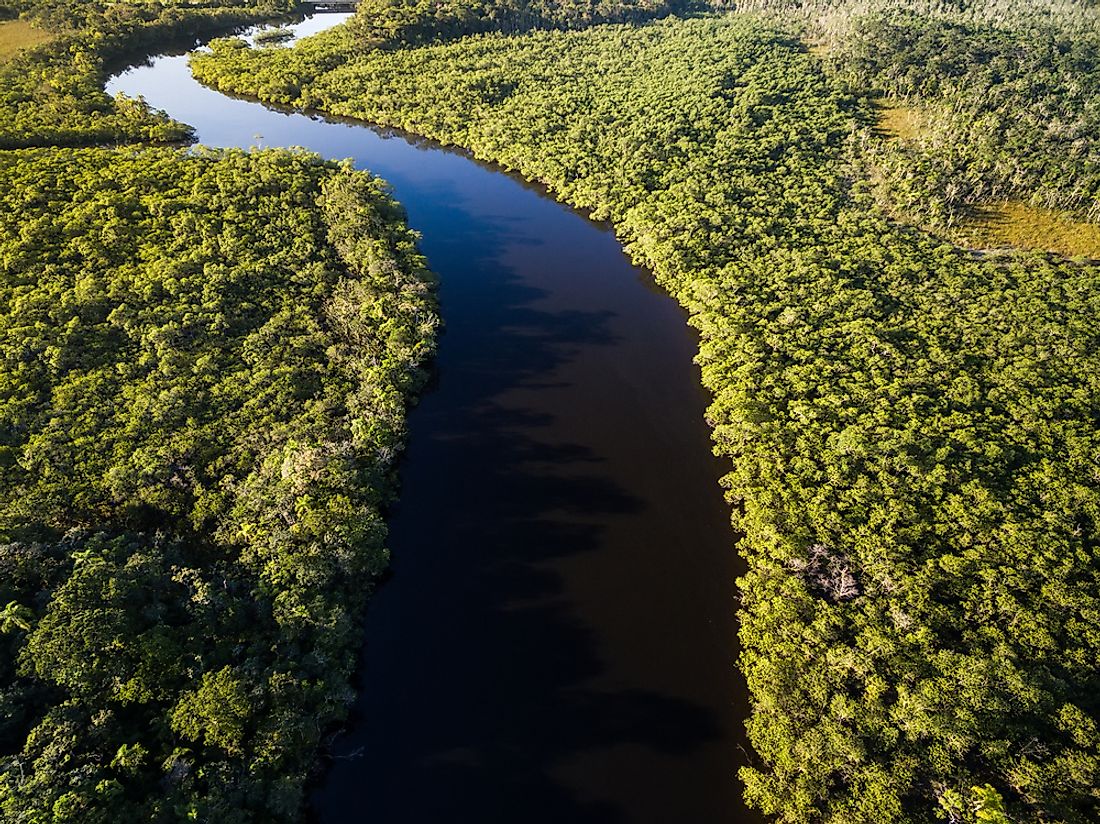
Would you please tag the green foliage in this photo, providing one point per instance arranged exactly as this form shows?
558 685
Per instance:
14 617
53 94
271 36
1007 112
984 805
204 365
108 635
216 713
913 431
387 23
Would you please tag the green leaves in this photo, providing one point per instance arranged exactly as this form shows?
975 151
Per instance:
108 634
15 617
204 365
216 714
912 432
983 805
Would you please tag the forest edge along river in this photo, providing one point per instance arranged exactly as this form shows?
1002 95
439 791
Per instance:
557 639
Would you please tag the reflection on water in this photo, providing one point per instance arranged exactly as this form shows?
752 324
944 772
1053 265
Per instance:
314 24
557 640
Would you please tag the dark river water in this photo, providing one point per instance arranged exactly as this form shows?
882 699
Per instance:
557 642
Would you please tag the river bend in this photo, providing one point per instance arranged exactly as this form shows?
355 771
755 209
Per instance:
557 642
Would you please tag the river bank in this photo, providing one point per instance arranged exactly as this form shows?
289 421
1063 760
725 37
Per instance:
556 641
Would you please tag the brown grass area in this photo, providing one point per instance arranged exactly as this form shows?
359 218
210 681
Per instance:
899 122
1018 225
16 35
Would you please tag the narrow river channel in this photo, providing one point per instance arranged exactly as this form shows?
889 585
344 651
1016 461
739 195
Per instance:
557 642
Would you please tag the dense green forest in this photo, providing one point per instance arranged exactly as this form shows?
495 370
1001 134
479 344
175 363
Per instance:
912 427
205 360
383 24
53 94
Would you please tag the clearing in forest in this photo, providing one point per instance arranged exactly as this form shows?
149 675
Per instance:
16 35
899 122
1016 224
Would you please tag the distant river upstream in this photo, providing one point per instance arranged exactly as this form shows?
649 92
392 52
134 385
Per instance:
558 642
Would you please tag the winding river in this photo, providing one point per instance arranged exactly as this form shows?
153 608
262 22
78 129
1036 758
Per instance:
557 641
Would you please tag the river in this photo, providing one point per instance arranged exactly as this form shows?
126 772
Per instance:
557 640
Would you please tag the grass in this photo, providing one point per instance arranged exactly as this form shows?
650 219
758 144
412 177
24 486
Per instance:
16 35
1011 224
1016 224
899 122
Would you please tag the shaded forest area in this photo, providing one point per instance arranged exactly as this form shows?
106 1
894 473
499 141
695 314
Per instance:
912 427
205 361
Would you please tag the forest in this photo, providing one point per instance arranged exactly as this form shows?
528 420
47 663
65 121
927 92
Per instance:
208 356
1005 112
52 95
205 362
390 24
911 425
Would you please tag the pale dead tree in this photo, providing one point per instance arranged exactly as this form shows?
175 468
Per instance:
827 571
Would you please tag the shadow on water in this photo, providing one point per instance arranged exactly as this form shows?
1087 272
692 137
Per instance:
556 641
484 664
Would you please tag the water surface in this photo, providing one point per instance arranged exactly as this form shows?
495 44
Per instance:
557 642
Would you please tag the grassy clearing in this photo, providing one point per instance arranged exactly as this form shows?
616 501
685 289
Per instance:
16 35
899 122
1021 226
